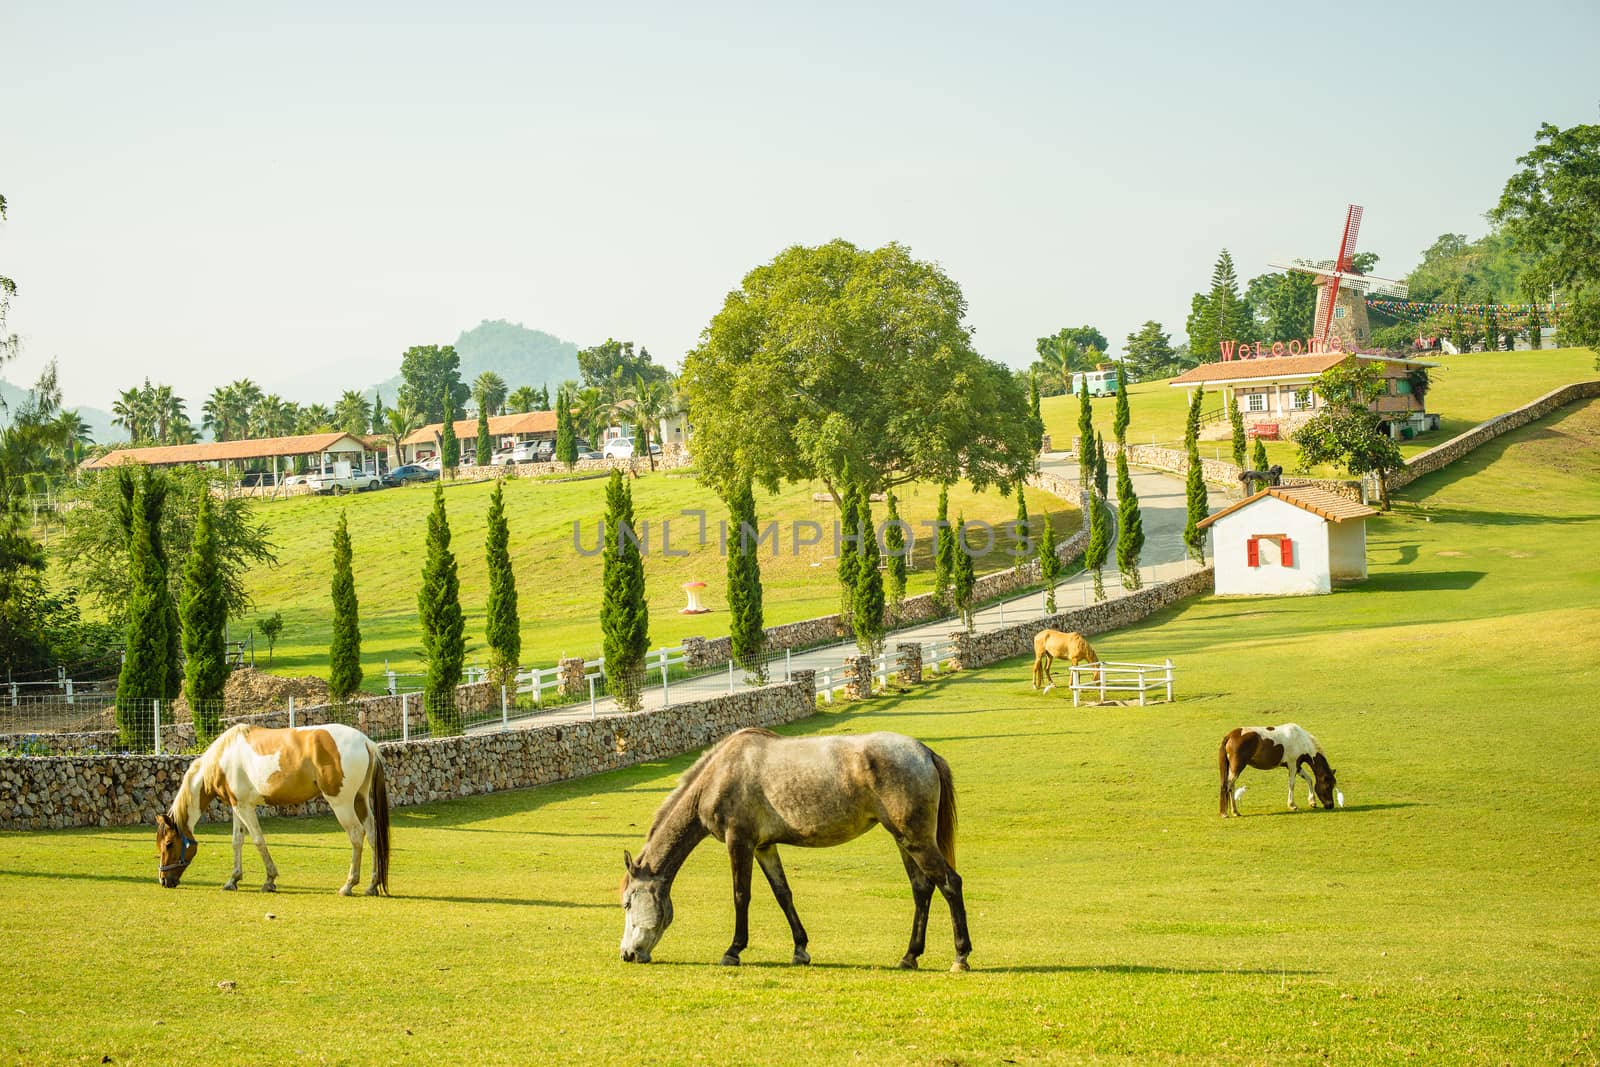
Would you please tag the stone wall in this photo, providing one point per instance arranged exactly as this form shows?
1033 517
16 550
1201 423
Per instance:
1219 472
982 649
673 457
1441 455
50 792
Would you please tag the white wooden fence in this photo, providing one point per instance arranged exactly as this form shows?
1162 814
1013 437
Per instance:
1113 678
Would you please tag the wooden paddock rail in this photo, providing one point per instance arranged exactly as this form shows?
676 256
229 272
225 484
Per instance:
1109 677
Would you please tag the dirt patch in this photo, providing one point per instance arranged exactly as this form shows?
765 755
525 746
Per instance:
1450 552
250 691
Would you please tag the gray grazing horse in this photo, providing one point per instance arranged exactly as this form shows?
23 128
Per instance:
756 791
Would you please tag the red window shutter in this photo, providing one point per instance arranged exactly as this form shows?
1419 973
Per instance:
1288 552
1252 552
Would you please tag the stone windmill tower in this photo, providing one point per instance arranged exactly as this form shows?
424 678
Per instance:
1342 291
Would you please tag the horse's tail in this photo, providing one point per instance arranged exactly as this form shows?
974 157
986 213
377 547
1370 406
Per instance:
380 818
947 809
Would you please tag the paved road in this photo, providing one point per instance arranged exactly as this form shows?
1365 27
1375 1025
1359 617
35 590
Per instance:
1161 505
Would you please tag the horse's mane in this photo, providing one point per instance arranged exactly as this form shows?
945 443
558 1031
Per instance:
687 783
203 765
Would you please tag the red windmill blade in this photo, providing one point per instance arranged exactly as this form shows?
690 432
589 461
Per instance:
1341 273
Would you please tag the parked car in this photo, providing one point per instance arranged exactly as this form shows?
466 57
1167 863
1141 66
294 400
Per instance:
432 463
296 479
334 482
618 448
411 472
521 452
591 455
252 479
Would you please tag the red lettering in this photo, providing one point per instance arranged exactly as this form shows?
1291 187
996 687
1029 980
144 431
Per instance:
1294 348
1277 348
1227 349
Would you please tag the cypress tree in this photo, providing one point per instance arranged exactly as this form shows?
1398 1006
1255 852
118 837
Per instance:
1130 526
1535 328
566 438
154 502
146 665
747 636
849 545
344 653
204 615
443 626
1094 555
379 422
1033 408
1049 564
624 614
894 541
1491 329
1101 476
963 580
1085 434
449 447
484 449
1236 417
1022 546
866 610
944 553
1191 429
1194 538
503 629
1119 424
1258 456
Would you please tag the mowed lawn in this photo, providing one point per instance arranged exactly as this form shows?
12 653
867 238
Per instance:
1446 915
558 584
1464 391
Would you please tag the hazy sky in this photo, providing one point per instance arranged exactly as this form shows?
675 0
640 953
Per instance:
203 192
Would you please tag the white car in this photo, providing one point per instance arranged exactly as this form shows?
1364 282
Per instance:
521 452
618 448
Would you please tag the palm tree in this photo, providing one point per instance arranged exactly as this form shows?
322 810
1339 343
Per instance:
130 411
653 400
593 414
489 390
352 413
166 410
71 435
316 418
401 422
523 399
226 413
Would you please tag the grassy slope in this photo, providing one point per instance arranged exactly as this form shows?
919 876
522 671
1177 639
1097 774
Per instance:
558 587
1440 918
1465 390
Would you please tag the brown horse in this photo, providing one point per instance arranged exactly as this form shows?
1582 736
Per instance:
1267 747
1050 645
756 791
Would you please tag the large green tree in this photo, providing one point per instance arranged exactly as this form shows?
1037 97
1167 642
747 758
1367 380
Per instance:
344 650
834 355
1218 315
352 413
1149 354
1345 430
746 625
430 373
1551 210
444 627
503 629
203 612
624 613
1066 352
603 364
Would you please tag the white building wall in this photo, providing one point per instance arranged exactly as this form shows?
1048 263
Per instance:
1347 549
1230 534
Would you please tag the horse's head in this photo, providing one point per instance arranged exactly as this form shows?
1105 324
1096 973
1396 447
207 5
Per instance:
175 850
1326 787
646 910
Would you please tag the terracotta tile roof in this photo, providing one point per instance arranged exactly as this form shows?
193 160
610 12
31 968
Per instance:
499 426
1267 367
213 451
1319 502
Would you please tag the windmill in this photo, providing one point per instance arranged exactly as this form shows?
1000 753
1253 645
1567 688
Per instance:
1342 291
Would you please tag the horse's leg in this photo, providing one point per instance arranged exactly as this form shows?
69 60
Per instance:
772 867
1292 773
741 855
346 814
1049 678
247 814
921 896
238 854
944 876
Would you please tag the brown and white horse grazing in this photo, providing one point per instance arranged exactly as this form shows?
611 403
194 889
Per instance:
250 765
756 791
1050 645
1266 747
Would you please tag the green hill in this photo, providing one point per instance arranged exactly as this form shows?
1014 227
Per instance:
519 355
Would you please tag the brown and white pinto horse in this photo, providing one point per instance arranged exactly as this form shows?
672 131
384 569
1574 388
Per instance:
1050 645
1266 747
250 765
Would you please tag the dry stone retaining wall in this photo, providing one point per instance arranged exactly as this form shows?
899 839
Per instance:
51 792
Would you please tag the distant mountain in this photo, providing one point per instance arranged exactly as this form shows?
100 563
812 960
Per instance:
100 424
519 355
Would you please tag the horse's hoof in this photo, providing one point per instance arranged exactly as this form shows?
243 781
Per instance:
372 890
344 891
1048 688
908 963
802 958
229 887
269 887
730 960
960 966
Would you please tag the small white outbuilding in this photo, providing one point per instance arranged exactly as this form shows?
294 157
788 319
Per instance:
1288 539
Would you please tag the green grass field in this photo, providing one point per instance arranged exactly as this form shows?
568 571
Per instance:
1465 390
557 586
1446 915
